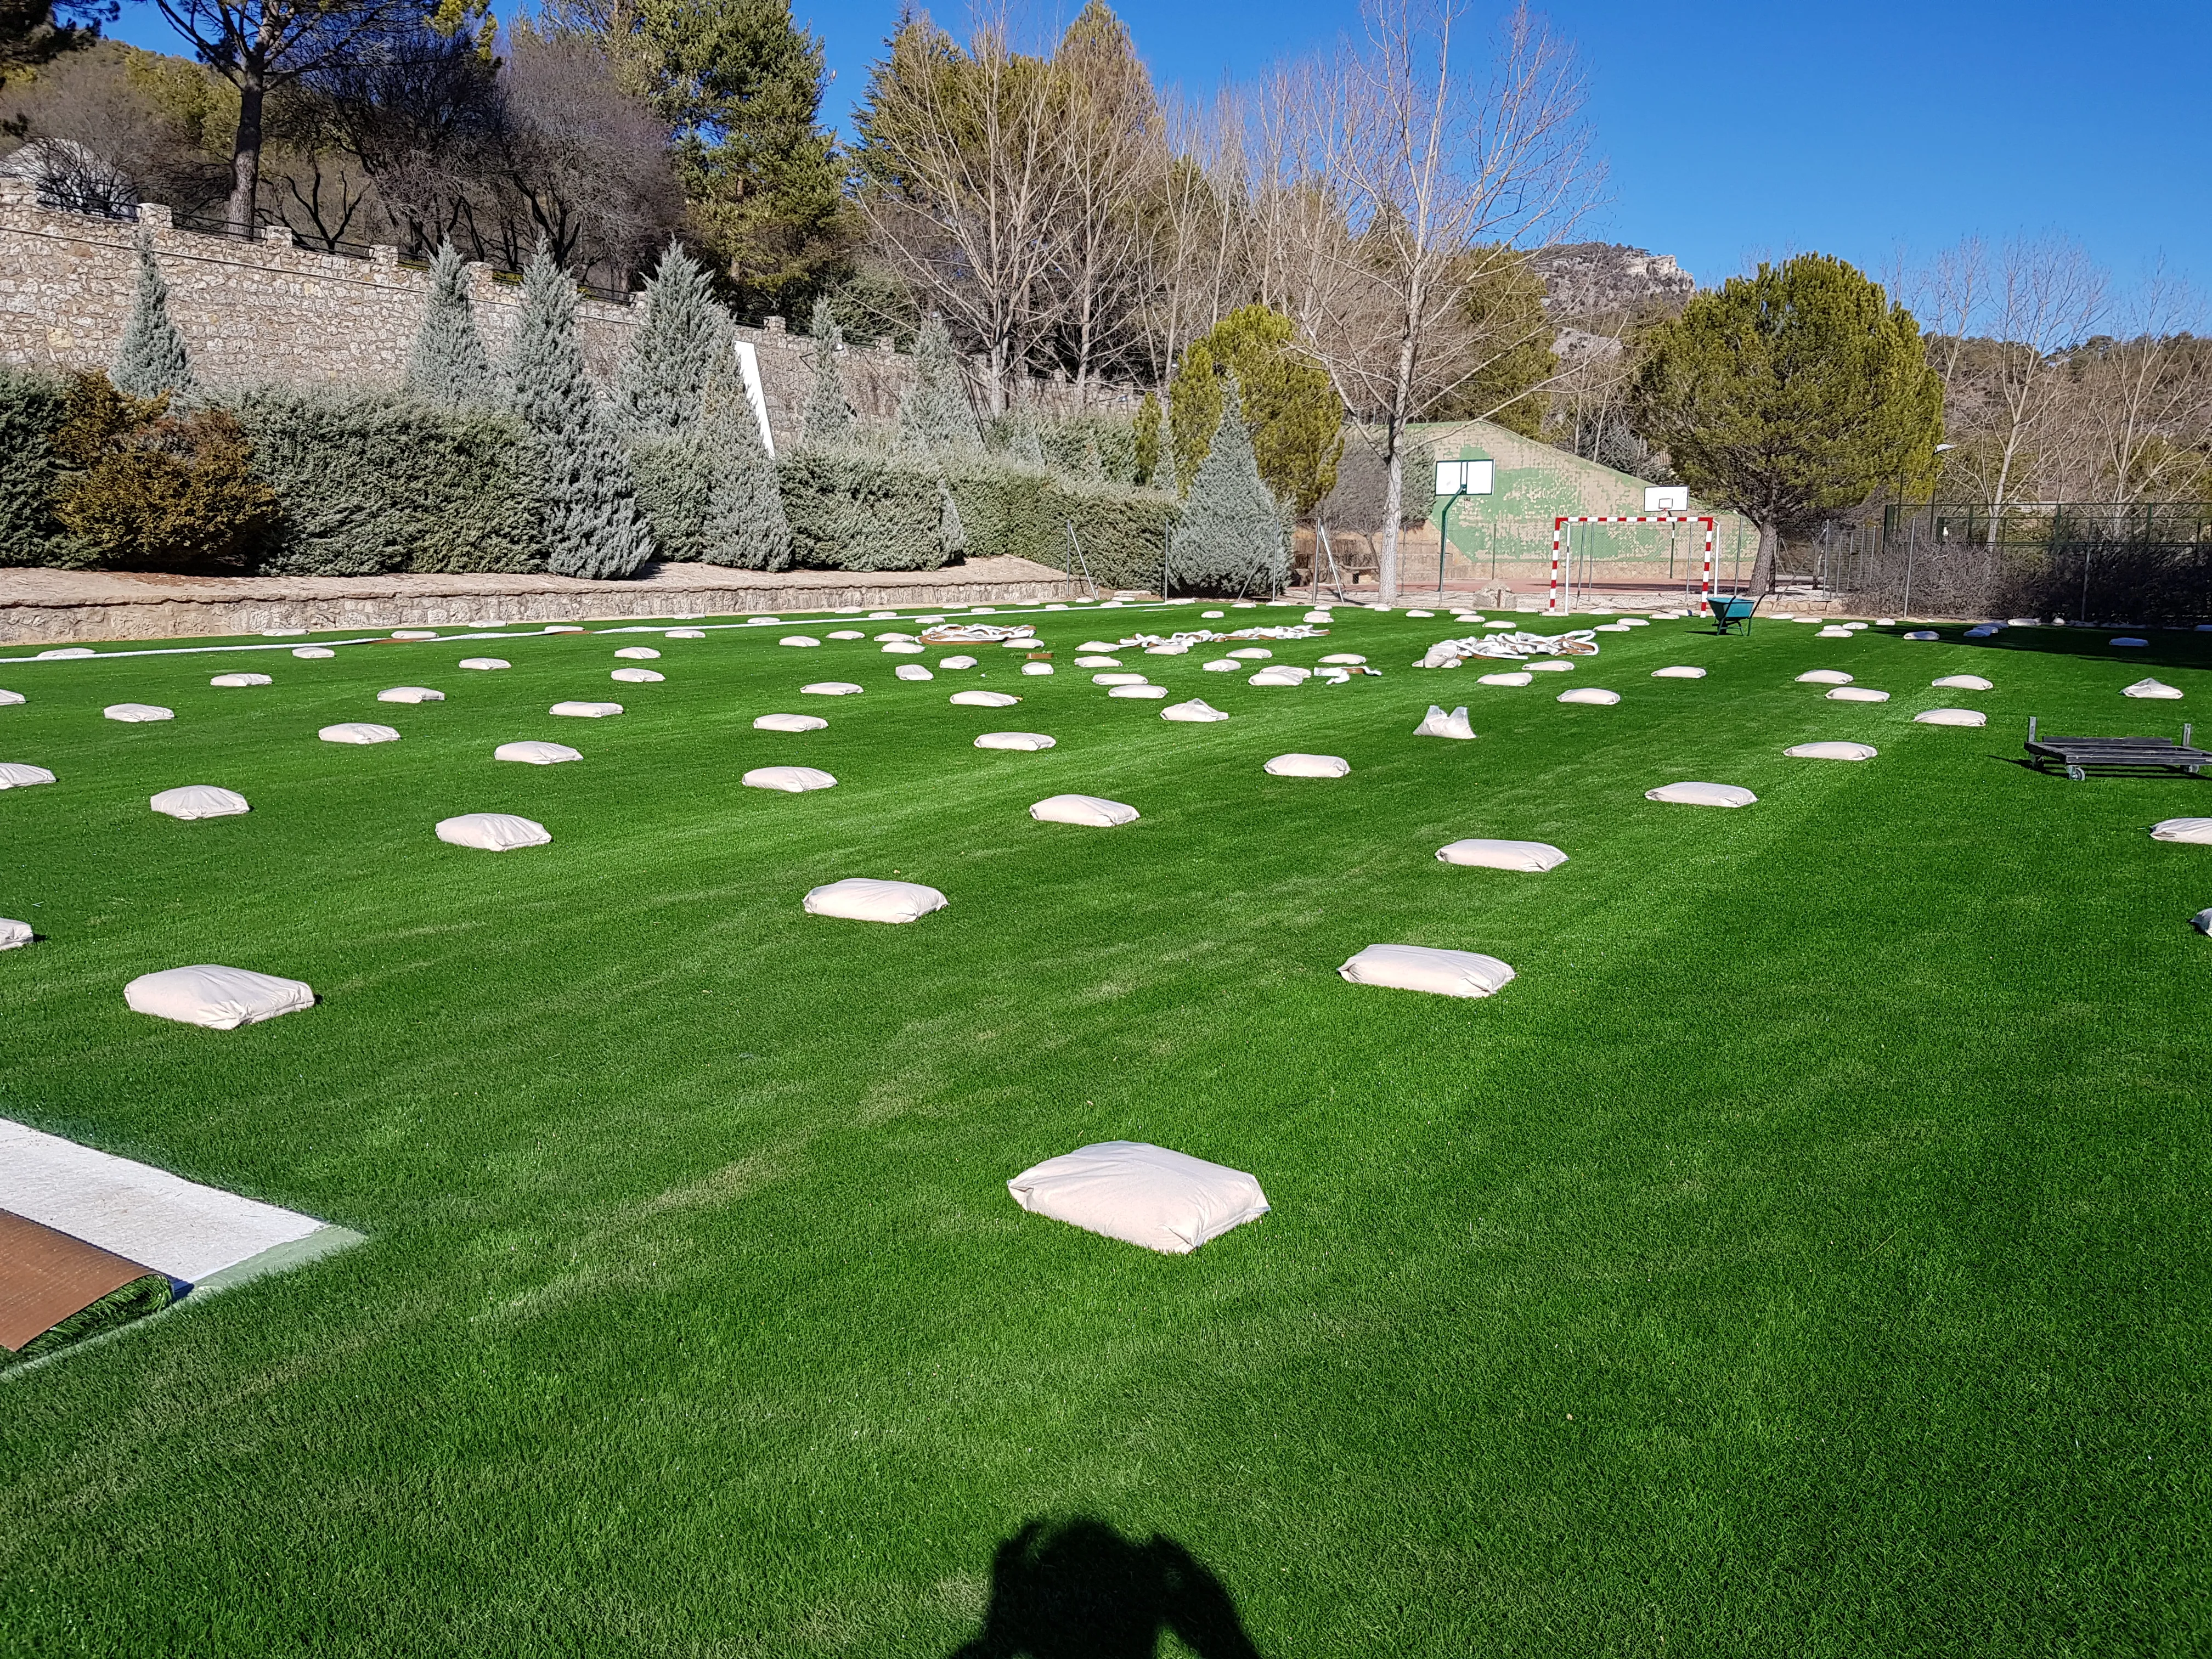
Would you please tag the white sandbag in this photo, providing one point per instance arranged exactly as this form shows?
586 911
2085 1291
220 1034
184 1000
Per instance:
1140 1194
1962 682
1832 632
1437 724
1923 634
2128 639
1137 691
359 732
956 662
904 648
2153 689
138 714
1510 677
220 679
1825 676
685 633
586 711
1981 631
14 774
789 723
792 780
802 640
983 699
1197 711
638 652
1093 812
1283 671
1167 651
1421 968
1252 653
199 801
1350 656
1679 671
862 898
1097 662
1222 665
14 934
67 652
1107 646
220 998
531 752
410 694
1117 679
413 632
1951 717
912 671
1024 740
1308 766
829 688
2202 922
311 652
1319 617
493 832
849 634
1702 795
1487 854
1551 666
199 1235
485 663
1037 668
1610 628
638 675
1857 693
1590 694
1842 751
2194 832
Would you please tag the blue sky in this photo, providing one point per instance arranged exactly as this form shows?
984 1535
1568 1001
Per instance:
1734 131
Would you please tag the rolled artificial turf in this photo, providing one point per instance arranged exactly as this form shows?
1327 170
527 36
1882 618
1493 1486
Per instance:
1805 1251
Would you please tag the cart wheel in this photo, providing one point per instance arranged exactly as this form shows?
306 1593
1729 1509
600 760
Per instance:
2077 774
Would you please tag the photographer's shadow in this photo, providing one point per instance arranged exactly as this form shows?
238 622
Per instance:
1080 1590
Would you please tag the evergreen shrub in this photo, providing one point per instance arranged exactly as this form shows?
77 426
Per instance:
378 481
1026 511
709 491
1230 537
141 489
854 508
31 407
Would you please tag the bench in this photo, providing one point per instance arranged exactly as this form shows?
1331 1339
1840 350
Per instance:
2078 757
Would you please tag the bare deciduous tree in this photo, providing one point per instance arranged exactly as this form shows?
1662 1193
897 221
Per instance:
1440 176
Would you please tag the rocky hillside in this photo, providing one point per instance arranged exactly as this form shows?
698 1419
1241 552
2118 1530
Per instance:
1597 284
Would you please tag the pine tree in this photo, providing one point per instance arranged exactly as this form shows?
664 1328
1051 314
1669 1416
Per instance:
1020 435
1230 536
937 411
592 526
828 416
152 359
746 528
683 342
449 367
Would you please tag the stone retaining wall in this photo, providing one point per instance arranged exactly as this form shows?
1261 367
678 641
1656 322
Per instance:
269 310
68 607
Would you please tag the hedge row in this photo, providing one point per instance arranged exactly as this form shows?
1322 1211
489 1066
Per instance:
372 484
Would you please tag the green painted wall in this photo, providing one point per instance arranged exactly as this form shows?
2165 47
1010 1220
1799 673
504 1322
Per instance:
1511 529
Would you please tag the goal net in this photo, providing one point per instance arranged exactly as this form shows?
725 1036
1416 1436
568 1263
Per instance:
1632 558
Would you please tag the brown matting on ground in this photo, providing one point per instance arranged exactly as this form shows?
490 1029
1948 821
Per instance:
46 1276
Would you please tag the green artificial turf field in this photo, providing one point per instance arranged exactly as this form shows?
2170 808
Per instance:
1805 1254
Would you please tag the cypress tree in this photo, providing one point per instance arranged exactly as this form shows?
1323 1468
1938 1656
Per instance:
1230 536
746 528
937 411
677 348
592 526
151 359
449 367
828 416
1024 440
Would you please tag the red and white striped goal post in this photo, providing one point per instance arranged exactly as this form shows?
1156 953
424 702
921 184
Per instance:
1560 523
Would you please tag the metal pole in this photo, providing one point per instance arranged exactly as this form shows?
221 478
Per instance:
1444 541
